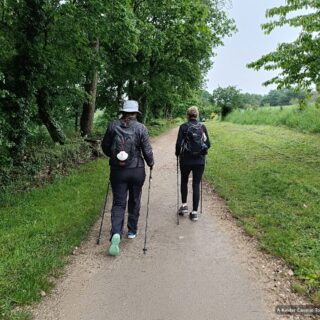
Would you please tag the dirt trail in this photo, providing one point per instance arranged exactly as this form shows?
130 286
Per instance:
198 270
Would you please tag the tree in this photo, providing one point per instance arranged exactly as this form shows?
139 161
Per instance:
176 43
227 99
282 97
251 99
297 61
59 59
120 43
42 57
25 23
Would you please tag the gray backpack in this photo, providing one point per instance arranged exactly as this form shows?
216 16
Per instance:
193 143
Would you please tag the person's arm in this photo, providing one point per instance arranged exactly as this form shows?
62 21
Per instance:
107 141
179 142
146 147
207 142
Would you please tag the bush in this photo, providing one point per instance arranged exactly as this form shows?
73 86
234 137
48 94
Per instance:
44 164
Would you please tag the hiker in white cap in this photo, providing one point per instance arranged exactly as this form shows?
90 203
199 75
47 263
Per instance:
126 143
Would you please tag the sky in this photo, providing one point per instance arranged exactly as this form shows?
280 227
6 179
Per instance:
247 45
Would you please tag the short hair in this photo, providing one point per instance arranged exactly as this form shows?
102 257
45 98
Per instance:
193 112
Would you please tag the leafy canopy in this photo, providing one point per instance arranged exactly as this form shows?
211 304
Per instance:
298 61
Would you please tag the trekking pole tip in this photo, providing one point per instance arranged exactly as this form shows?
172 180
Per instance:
145 250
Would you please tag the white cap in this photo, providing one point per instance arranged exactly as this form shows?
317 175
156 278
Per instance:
130 106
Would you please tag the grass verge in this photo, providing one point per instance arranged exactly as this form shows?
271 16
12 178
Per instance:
158 126
307 120
38 229
270 179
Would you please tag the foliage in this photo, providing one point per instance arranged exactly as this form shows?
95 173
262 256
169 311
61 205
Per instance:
175 47
232 98
270 179
297 61
205 104
283 97
227 99
52 53
42 163
251 100
306 120
158 126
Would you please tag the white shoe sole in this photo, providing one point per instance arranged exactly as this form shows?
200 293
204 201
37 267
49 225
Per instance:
194 218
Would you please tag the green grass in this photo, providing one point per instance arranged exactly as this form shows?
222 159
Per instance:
307 120
271 180
38 229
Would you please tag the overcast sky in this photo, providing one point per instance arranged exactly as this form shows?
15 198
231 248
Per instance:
247 45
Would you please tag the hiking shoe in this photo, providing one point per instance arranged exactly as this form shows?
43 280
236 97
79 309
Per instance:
183 210
114 249
131 234
193 215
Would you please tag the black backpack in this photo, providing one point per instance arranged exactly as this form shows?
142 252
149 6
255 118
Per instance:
124 139
193 143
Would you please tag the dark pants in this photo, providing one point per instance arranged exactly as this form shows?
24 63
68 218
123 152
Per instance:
197 172
124 181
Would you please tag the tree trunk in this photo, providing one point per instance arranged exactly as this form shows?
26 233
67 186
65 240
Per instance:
131 94
89 107
119 94
144 108
18 120
52 126
76 121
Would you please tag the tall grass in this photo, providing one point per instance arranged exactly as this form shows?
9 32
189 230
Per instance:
307 120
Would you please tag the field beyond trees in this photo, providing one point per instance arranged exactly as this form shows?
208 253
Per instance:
270 179
305 120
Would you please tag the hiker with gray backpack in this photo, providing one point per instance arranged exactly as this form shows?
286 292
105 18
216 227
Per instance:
191 148
126 143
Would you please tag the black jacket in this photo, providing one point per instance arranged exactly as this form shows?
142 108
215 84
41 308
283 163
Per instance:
143 145
186 159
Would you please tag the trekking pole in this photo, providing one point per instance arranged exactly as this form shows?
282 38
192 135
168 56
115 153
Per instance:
103 213
201 197
147 216
201 187
178 222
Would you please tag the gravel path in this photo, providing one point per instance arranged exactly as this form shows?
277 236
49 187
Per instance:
205 270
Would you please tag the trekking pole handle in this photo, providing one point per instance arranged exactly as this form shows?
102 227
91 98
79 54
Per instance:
150 176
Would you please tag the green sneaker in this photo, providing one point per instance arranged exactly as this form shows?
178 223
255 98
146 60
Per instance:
114 247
